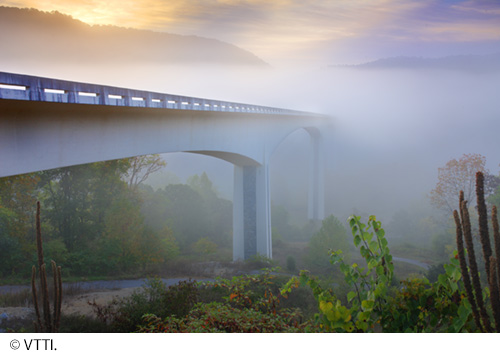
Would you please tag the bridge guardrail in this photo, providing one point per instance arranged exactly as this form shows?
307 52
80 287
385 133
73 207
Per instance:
25 87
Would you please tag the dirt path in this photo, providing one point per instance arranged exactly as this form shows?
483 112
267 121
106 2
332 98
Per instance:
77 304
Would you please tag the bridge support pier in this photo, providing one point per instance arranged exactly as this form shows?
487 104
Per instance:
251 212
316 194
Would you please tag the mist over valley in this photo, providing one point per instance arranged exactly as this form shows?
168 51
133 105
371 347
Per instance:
402 132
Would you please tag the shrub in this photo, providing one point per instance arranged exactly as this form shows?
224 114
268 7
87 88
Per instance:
373 304
291 266
258 261
123 315
204 247
332 235
82 324
220 317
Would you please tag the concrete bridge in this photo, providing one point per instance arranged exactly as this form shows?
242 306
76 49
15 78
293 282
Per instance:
48 123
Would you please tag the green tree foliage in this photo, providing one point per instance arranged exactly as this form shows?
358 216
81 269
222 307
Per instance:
287 231
92 220
203 186
204 247
11 257
332 235
193 211
18 198
123 231
416 224
291 266
77 199
169 246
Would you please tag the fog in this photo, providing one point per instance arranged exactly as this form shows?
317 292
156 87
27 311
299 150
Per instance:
390 129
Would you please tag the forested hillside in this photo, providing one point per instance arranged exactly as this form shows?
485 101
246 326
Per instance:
31 35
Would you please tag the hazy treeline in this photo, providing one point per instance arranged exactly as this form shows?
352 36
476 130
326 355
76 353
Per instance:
103 219
98 219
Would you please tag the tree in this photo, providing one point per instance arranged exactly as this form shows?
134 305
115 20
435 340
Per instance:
332 235
204 247
18 196
10 248
455 176
123 235
492 184
141 167
77 199
203 186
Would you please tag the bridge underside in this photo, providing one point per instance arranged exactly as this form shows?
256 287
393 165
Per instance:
38 136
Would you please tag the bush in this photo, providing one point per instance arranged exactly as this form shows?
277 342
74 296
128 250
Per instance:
124 315
247 303
374 304
258 261
82 324
332 235
291 266
434 271
219 317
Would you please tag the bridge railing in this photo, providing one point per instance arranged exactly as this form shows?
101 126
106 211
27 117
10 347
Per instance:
24 87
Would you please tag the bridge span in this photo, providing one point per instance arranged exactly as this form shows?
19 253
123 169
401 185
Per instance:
49 123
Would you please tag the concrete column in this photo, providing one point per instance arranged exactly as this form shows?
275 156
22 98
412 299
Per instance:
251 212
316 194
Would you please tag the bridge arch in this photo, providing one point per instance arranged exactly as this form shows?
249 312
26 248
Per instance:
316 170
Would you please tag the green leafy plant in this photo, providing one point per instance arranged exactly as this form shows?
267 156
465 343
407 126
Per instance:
421 306
376 303
370 284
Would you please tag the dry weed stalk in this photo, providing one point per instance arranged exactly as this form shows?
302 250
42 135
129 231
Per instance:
51 321
481 317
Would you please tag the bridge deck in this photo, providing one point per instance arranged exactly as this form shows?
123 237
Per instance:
24 87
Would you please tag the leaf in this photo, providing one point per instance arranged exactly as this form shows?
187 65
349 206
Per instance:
325 306
367 236
373 246
442 279
351 295
367 304
372 262
380 270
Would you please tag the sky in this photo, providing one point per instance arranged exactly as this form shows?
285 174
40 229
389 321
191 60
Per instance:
321 32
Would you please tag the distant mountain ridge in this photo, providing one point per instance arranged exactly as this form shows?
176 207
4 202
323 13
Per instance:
473 63
33 35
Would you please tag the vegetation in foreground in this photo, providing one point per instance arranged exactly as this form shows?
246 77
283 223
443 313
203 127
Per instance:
375 302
